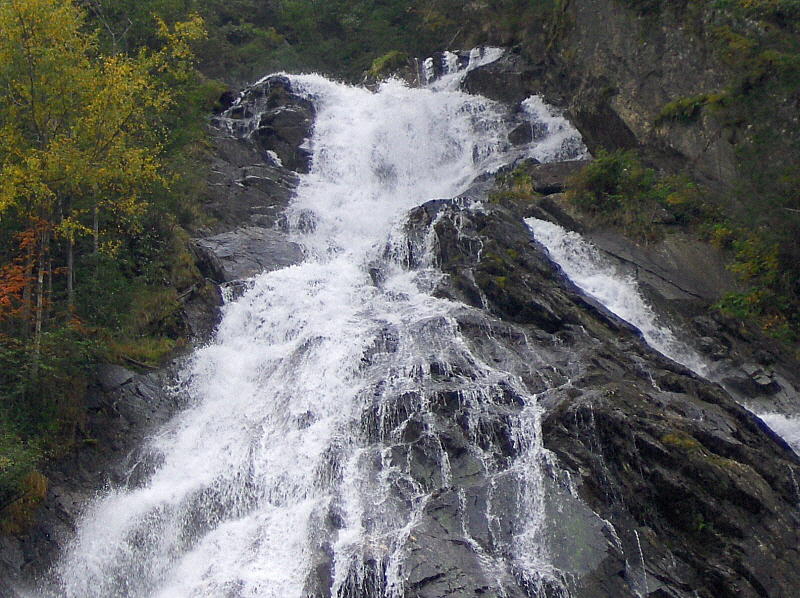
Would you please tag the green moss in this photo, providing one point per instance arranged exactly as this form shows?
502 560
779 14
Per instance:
687 110
18 458
681 441
494 264
688 444
388 63
728 464
142 352
514 185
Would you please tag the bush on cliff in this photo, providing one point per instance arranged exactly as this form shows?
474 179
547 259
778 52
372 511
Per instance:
617 189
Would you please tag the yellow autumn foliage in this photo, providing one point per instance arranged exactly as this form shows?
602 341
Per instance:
80 131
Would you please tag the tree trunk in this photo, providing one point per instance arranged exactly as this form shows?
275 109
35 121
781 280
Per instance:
96 228
39 314
27 292
70 276
48 304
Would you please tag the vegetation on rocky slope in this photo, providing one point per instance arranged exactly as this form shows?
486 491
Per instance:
758 42
619 191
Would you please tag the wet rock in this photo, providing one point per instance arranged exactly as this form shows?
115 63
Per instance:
245 252
678 491
551 178
441 560
521 135
754 381
510 79
712 347
242 182
225 101
282 121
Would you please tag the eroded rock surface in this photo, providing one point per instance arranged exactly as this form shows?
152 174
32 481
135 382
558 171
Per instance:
698 492
276 120
245 252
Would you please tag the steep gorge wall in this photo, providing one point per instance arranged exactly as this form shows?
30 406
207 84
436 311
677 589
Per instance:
621 68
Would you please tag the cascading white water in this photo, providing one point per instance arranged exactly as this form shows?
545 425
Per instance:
275 443
595 275
787 427
452 72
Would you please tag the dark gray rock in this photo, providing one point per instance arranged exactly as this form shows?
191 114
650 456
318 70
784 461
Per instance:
510 79
615 99
111 377
242 183
283 131
521 135
245 252
276 119
551 178
696 493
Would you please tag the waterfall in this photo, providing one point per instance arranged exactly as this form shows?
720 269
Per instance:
292 473
619 293
785 426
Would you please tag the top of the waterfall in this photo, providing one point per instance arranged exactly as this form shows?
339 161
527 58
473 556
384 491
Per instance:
447 69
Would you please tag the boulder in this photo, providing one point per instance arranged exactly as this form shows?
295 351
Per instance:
245 252
243 187
552 177
510 79
276 119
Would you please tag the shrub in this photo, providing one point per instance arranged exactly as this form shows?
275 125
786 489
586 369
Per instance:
388 63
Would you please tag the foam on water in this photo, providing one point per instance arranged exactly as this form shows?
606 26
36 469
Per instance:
619 293
275 442
553 135
454 72
596 276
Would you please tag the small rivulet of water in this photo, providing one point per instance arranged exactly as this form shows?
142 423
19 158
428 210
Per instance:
619 293
315 441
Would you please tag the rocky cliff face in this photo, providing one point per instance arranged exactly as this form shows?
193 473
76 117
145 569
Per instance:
694 485
616 65
620 75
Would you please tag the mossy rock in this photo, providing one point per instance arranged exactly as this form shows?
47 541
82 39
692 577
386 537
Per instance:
18 517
